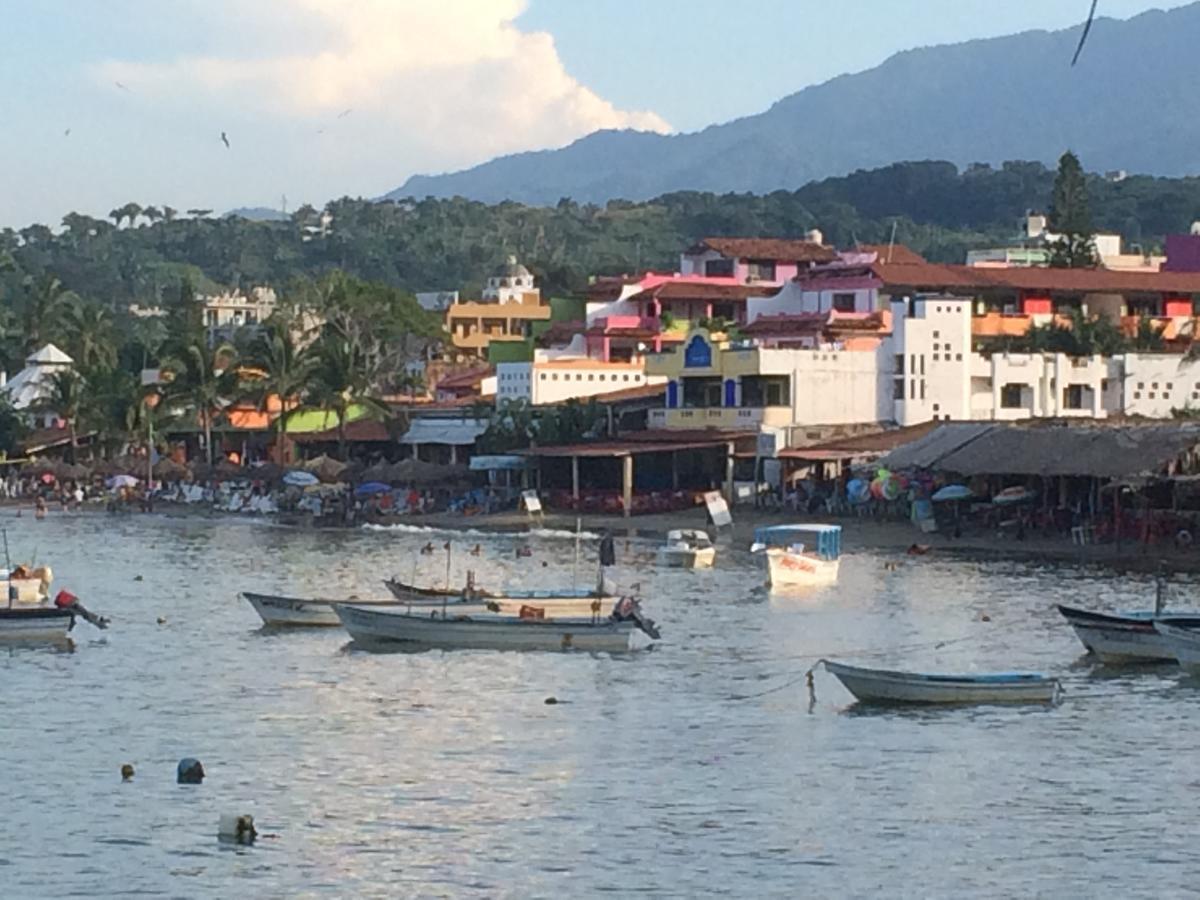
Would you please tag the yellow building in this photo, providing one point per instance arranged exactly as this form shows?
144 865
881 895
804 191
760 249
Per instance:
510 306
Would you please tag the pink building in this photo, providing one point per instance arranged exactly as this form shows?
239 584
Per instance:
754 260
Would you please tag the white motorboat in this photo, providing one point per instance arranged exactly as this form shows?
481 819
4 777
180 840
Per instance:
35 624
687 549
884 686
483 629
805 555
1183 643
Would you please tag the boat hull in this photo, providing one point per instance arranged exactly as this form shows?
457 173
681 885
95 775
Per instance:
552 603
34 624
1128 638
789 569
298 612
888 687
1183 644
686 558
487 631
293 612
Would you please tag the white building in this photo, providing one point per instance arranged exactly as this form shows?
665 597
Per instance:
556 380
512 284
225 313
31 386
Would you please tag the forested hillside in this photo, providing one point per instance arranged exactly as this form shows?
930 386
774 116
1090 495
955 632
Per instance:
143 254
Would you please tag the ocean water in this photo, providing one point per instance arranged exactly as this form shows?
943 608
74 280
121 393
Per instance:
698 767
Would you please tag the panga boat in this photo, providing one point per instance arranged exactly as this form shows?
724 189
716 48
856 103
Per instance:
1182 643
299 612
1128 637
883 686
487 630
553 602
687 549
800 555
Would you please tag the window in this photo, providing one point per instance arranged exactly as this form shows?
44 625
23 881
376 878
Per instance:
553 376
637 378
1073 396
626 378
922 388
936 335
843 303
761 269
591 376
766 390
724 311
701 393
1010 396
898 389
718 267
936 407
958 357
912 390
922 363
900 366
579 376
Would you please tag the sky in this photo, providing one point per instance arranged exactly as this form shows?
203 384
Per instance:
104 103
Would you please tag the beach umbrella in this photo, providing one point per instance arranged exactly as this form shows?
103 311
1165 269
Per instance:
371 488
952 492
169 469
300 478
1013 495
121 481
858 490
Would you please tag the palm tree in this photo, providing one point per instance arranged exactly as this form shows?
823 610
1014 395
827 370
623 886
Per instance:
64 396
204 381
149 333
42 301
89 333
286 370
341 380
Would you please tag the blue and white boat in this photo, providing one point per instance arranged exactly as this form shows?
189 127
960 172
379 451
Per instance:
884 686
804 555
1126 637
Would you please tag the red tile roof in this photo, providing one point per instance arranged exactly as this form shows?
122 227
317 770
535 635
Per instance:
682 290
460 380
777 249
893 253
810 323
931 276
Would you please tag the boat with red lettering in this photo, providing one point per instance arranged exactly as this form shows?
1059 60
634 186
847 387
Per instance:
804 555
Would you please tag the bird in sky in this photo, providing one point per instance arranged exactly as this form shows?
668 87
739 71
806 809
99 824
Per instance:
67 133
225 140
344 113
121 86
1087 26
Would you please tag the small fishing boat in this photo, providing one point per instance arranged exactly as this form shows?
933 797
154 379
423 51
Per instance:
299 612
556 603
1183 643
487 630
687 549
1127 637
883 686
35 624
803 555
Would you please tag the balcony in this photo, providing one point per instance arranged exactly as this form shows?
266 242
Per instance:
723 418
628 323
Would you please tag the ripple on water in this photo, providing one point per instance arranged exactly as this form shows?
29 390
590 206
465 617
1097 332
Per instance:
446 773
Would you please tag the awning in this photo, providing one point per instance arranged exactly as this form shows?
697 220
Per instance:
498 463
456 432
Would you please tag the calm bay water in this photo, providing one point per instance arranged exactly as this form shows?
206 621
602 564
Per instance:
446 774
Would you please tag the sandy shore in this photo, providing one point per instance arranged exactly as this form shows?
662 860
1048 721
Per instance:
858 534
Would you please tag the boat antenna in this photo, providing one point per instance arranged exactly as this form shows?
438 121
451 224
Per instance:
1160 590
8 567
575 567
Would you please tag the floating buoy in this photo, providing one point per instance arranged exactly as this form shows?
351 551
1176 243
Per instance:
984 617
551 701
189 771
161 620
239 829
127 772
138 578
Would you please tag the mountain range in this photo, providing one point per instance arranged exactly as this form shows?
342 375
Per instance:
1129 104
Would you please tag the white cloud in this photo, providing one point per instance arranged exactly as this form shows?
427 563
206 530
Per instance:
433 84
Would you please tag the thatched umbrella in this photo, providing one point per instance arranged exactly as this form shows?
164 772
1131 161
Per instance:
326 468
380 471
169 470
229 470
69 472
266 472
201 471
37 467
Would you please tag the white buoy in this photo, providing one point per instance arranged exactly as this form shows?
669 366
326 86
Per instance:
239 829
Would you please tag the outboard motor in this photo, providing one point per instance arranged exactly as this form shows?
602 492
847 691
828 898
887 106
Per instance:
627 609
